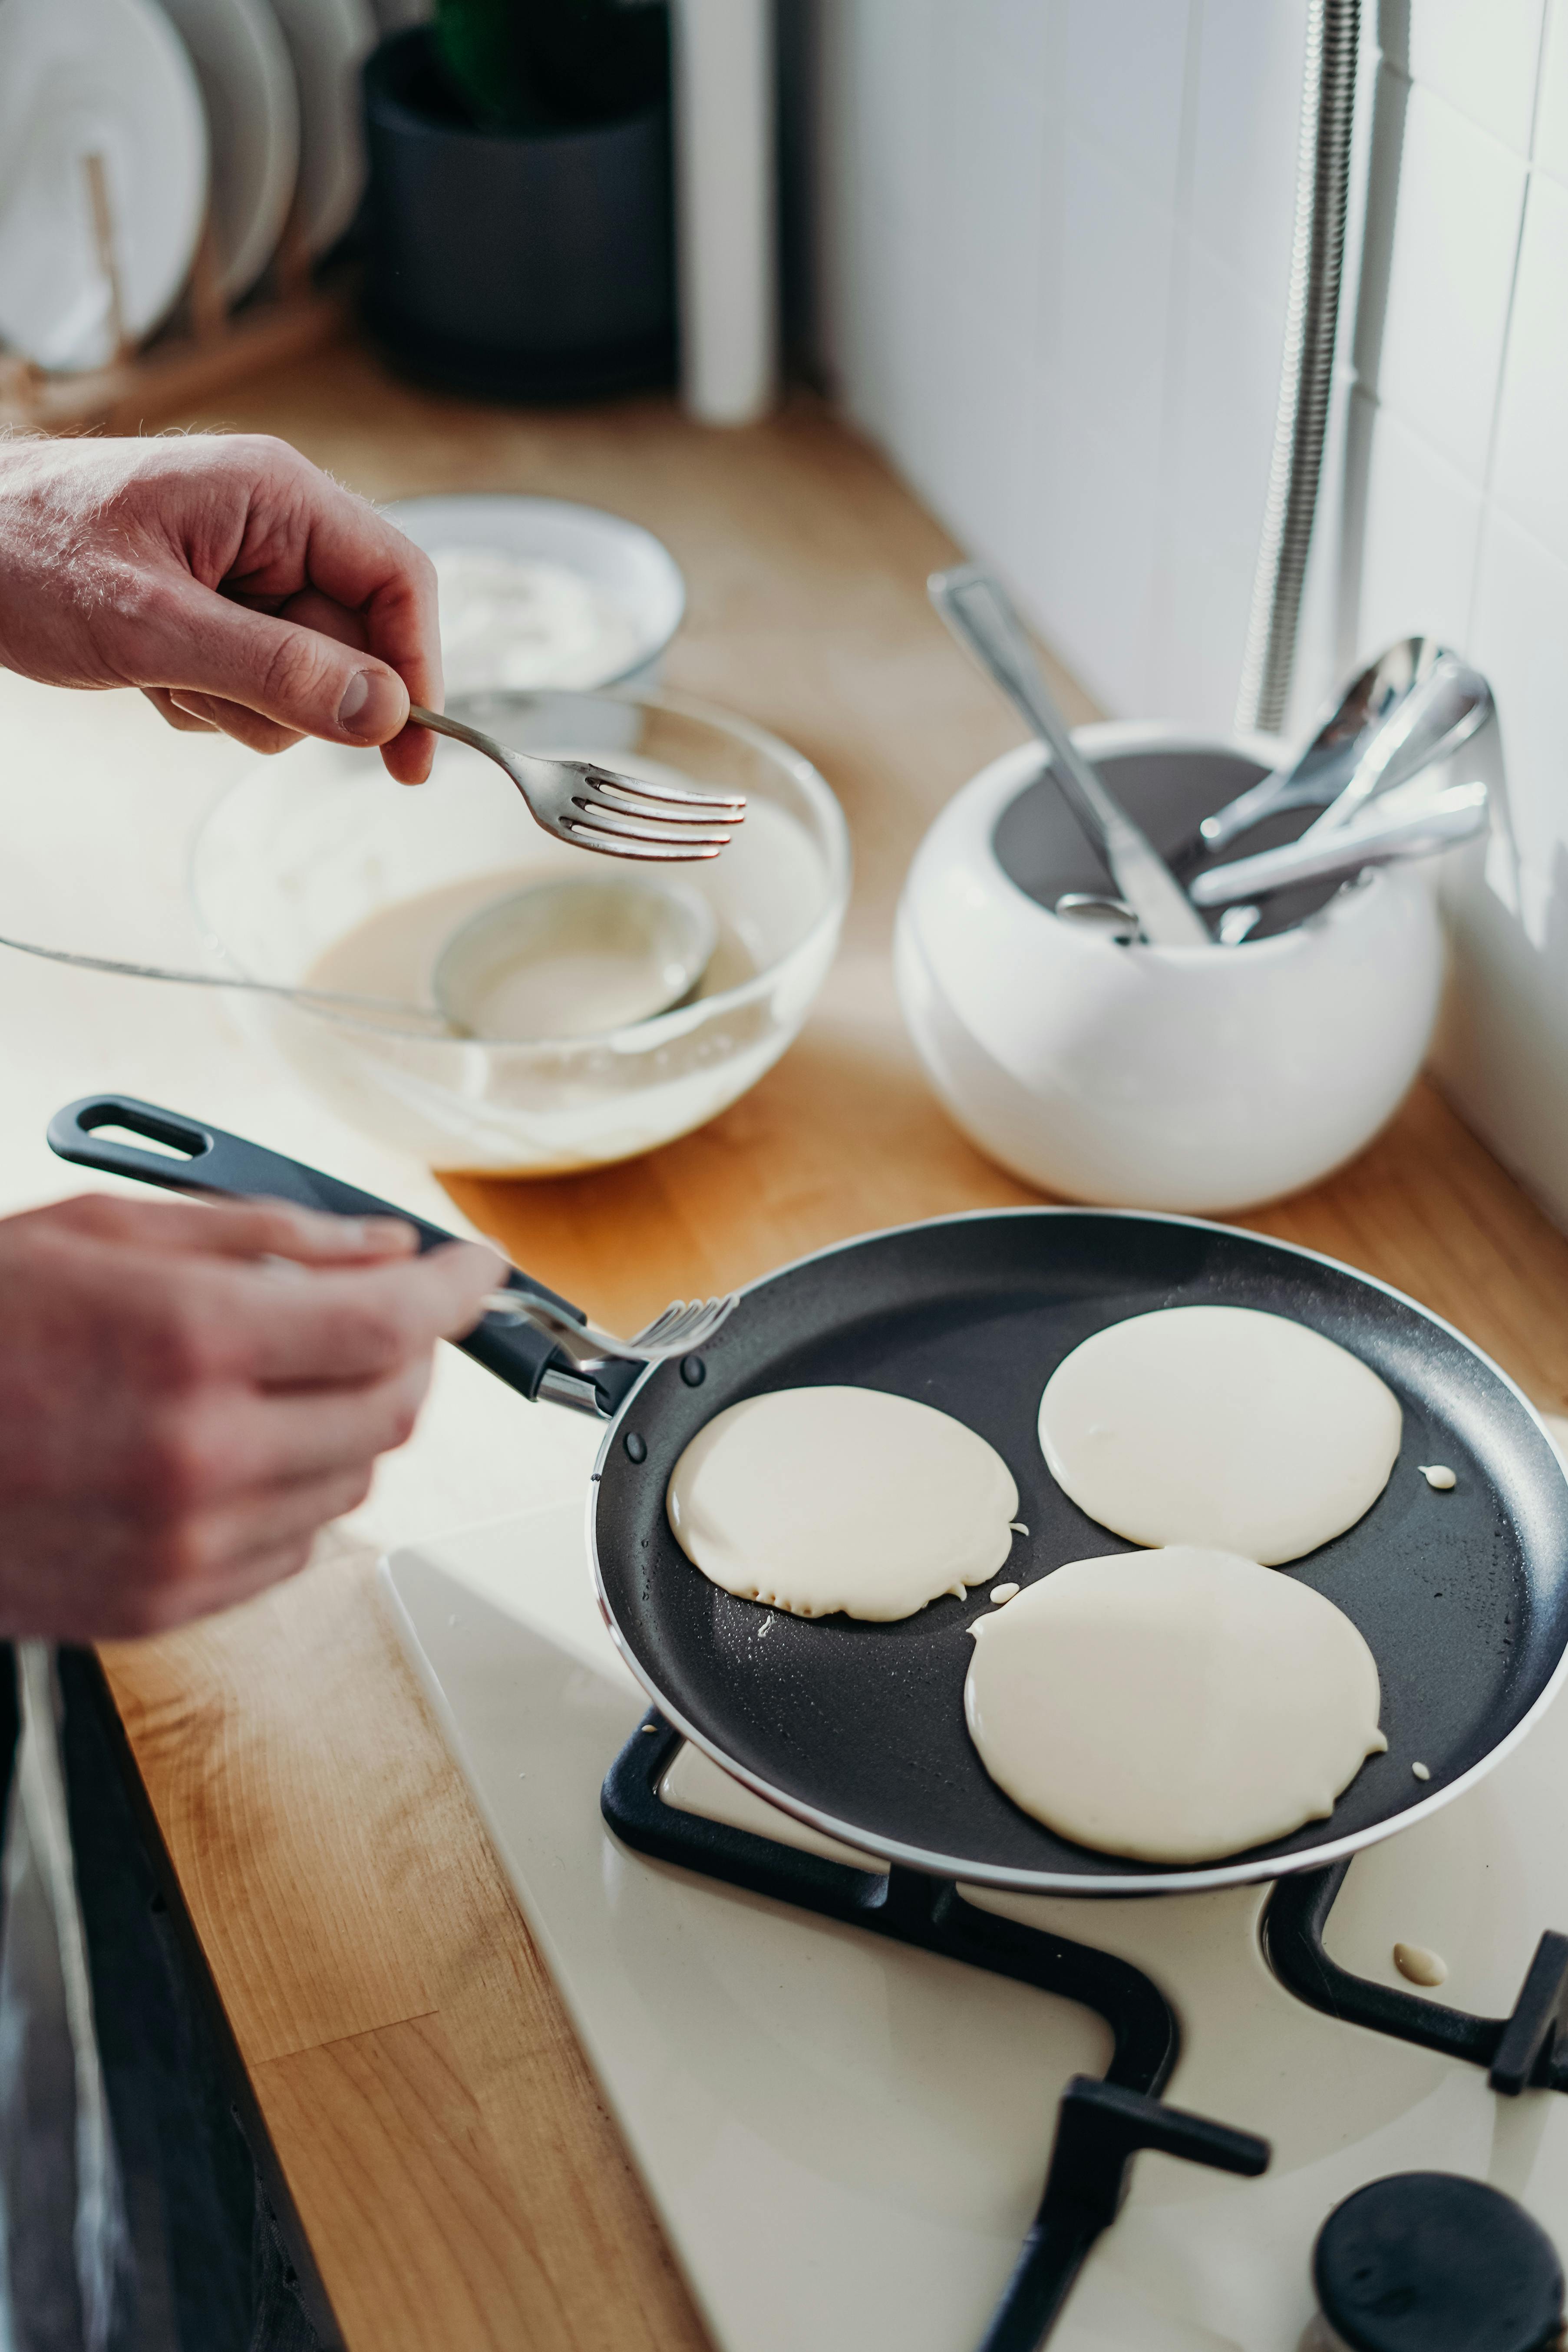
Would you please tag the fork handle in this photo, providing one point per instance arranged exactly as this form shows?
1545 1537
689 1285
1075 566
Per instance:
210 1160
439 724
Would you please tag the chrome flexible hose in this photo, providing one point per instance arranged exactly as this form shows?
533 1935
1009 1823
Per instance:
1323 190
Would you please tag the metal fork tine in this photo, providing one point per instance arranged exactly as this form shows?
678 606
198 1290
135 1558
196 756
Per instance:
704 1315
597 793
660 812
643 787
620 816
640 828
616 845
652 1333
684 1325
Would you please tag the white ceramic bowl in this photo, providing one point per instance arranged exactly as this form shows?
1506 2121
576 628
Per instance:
633 571
1184 1079
306 849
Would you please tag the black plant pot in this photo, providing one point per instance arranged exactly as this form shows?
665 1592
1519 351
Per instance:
516 265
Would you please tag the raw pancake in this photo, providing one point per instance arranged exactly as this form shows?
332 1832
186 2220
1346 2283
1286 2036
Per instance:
1220 1425
1175 1705
838 1498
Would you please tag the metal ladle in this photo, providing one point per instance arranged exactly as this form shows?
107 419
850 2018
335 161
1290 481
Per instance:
651 946
678 934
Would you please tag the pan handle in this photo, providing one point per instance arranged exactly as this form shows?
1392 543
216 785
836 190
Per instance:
196 1158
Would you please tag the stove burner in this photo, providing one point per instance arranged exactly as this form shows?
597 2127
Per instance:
1100 2125
1528 2051
1430 2262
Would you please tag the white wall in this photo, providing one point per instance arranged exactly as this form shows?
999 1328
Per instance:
1054 250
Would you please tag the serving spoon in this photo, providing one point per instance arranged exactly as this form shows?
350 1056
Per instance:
977 610
1352 727
1441 711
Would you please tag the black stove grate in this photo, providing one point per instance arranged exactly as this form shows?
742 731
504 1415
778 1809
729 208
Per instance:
1100 2123
1527 2051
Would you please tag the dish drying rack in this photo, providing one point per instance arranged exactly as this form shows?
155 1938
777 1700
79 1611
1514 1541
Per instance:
205 345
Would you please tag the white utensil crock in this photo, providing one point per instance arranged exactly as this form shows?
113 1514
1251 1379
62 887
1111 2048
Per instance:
1183 1079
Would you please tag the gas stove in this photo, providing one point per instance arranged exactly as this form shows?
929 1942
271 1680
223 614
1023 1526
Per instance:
844 2088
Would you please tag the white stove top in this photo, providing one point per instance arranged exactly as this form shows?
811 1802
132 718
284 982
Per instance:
845 2138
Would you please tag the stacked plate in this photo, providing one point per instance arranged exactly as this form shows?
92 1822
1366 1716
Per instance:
126 124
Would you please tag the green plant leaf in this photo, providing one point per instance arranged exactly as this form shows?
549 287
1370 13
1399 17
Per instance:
544 65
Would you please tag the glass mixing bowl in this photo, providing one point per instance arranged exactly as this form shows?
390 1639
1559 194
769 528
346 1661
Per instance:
296 872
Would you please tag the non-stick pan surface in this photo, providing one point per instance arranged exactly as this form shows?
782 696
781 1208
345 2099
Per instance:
860 1729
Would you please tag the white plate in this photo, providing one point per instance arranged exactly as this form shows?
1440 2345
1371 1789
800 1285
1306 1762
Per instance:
253 124
329 41
80 77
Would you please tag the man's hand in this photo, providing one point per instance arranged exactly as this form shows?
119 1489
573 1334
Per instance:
188 1394
238 586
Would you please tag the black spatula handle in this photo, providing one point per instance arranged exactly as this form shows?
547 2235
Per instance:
209 1161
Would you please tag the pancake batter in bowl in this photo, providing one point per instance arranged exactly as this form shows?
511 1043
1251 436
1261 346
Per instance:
1222 1426
821 1499
1175 1705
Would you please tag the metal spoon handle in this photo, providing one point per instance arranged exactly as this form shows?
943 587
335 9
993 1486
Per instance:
977 611
1454 814
340 1000
1271 796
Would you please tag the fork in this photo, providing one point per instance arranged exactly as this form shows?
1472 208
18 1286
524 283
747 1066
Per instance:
590 806
684 1325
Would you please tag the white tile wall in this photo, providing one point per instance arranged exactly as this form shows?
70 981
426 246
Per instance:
1056 248
1483 56
1530 477
1520 640
979 342
1551 106
1094 519
1456 237
1245 128
1105 336
1420 532
1223 390
1329 638
1116 75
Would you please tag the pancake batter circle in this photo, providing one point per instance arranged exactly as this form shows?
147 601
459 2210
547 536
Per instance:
1176 1706
1220 1425
824 1499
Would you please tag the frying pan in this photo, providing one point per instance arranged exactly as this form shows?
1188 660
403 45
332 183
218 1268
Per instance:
859 1728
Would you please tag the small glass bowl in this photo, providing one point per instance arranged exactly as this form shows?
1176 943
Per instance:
308 848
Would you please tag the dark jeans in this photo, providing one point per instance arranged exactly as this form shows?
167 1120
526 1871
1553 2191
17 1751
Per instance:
211 2271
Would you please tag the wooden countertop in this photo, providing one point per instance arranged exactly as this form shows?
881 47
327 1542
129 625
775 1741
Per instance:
460 2182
